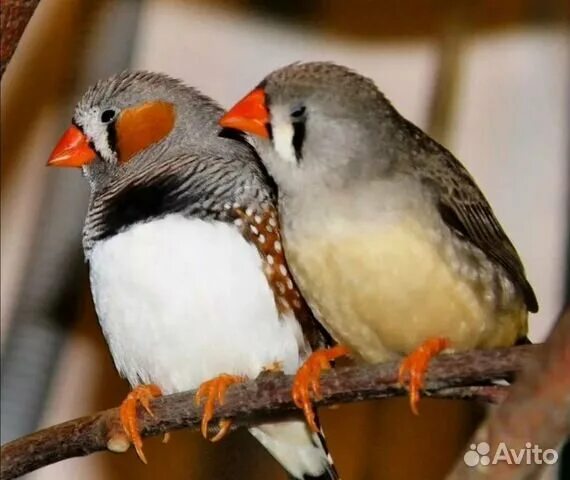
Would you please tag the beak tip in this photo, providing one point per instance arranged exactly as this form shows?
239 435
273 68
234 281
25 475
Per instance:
53 160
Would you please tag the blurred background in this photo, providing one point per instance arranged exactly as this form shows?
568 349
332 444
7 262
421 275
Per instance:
489 79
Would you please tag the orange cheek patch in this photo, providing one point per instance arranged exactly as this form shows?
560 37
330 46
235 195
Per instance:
141 126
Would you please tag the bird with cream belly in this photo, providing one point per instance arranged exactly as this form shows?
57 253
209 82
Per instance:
389 238
186 266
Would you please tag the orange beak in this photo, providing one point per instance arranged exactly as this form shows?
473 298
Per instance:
249 115
72 150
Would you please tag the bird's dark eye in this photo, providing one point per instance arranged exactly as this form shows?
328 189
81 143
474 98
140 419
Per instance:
298 112
108 116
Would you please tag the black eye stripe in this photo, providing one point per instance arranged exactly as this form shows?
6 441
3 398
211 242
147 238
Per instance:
108 118
298 139
112 136
298 115
268 107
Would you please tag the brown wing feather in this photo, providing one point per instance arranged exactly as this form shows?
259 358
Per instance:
465 209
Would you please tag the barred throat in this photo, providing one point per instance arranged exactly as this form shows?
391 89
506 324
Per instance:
190 185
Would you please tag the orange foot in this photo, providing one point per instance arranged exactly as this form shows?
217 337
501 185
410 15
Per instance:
307 381
214 391
415 365
128 413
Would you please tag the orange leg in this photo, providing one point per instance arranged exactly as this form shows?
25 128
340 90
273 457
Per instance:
128 413
307 380
212 392
415 365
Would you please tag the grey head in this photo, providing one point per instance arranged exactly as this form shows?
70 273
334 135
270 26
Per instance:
326 125
99 112
322 128
156 148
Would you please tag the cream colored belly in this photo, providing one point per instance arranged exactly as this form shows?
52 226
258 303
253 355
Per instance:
383 292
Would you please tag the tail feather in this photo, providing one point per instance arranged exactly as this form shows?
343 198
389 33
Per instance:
302 453
330 472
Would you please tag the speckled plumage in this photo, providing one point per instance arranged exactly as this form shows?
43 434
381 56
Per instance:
181 287
387 234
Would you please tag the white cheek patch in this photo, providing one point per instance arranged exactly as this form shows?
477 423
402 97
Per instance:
97 133
283 141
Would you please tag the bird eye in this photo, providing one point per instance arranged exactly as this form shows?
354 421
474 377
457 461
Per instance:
108 116
298 112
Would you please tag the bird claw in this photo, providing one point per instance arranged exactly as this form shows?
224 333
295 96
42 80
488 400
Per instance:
307 386
212 392
414 367
142 394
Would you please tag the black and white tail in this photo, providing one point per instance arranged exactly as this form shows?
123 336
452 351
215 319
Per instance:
302 453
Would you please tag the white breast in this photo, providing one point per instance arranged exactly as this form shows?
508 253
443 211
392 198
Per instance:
183 300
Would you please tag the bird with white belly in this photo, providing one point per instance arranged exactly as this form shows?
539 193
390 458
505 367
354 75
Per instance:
186 265
390 240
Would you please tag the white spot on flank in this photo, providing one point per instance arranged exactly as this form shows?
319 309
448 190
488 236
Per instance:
257 219
284 302
270 259
283 141
261 238
249 211
254 230
277 246
289 284
283 270
272 221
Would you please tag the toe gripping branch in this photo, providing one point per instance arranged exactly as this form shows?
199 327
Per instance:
306 388
306 385
414 367
211 393
142 394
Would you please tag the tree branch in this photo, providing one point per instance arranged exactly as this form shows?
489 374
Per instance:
464 375
14 16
